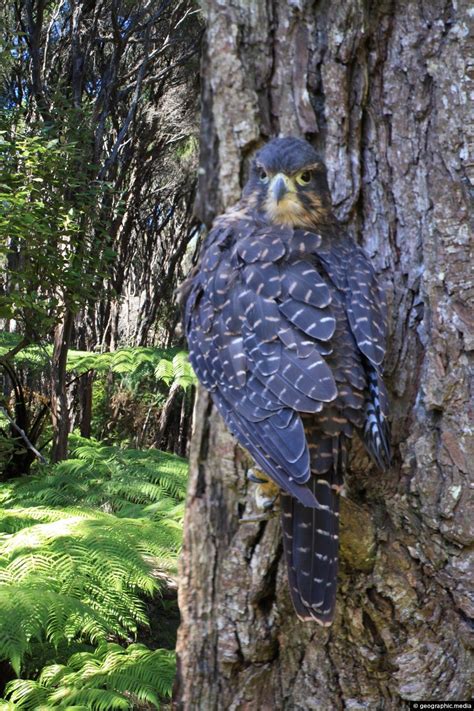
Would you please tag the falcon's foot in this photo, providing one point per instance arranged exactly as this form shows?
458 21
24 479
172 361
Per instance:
266 492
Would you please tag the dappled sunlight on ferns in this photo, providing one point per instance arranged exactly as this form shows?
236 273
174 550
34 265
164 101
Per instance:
165 364
83 543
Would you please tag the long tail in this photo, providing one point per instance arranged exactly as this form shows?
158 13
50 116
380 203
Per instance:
311 544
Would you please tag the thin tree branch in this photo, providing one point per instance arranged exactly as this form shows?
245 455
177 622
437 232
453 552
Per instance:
25 341
22 434
131 112
78 377
54 17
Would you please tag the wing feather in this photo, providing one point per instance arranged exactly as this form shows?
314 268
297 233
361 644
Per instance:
317 323
301 281
366 309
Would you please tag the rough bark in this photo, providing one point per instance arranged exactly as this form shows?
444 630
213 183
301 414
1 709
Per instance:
382 89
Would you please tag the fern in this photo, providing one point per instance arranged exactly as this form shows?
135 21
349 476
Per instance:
109 678
178 369
166 365
35 357
78 575
130 387
69 571
121 481
83 543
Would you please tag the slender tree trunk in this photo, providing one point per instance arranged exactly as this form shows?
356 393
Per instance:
382 89
85 396
59 403
167 415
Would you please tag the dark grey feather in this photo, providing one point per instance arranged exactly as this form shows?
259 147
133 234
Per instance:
317 323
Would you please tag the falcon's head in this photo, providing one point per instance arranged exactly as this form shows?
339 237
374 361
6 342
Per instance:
288 183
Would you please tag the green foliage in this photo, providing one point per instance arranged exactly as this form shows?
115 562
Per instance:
177 370
168 365
127 482
82 543
34 357
46 196
69 574
109 678
134 364
130 386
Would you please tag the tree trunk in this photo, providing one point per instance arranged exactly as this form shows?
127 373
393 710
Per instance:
382 90
168 413
85 399
59 403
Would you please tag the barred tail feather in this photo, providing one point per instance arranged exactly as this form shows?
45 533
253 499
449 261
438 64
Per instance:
376 434
310 537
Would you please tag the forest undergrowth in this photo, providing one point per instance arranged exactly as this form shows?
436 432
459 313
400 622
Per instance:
85 546
89 544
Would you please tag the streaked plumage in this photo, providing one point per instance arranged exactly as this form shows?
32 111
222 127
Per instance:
286 329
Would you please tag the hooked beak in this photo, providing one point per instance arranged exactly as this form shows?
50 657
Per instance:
279 187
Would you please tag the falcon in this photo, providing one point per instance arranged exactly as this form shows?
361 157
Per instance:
286 327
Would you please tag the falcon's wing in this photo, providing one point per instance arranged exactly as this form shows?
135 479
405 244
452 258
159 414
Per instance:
259 321
366 309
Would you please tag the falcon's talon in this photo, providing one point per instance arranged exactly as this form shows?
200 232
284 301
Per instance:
266 495
266 491
255 478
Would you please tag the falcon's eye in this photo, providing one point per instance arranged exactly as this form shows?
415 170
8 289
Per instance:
262 175
304 178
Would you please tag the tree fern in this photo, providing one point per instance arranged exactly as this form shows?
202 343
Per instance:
163 364
81 576
82 544
35 356
129 389
178 369
167 364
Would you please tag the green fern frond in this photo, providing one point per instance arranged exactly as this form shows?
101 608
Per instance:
109 678
34 357
178 369
166 364
122 361
164 371
106 477
74 573
82 543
